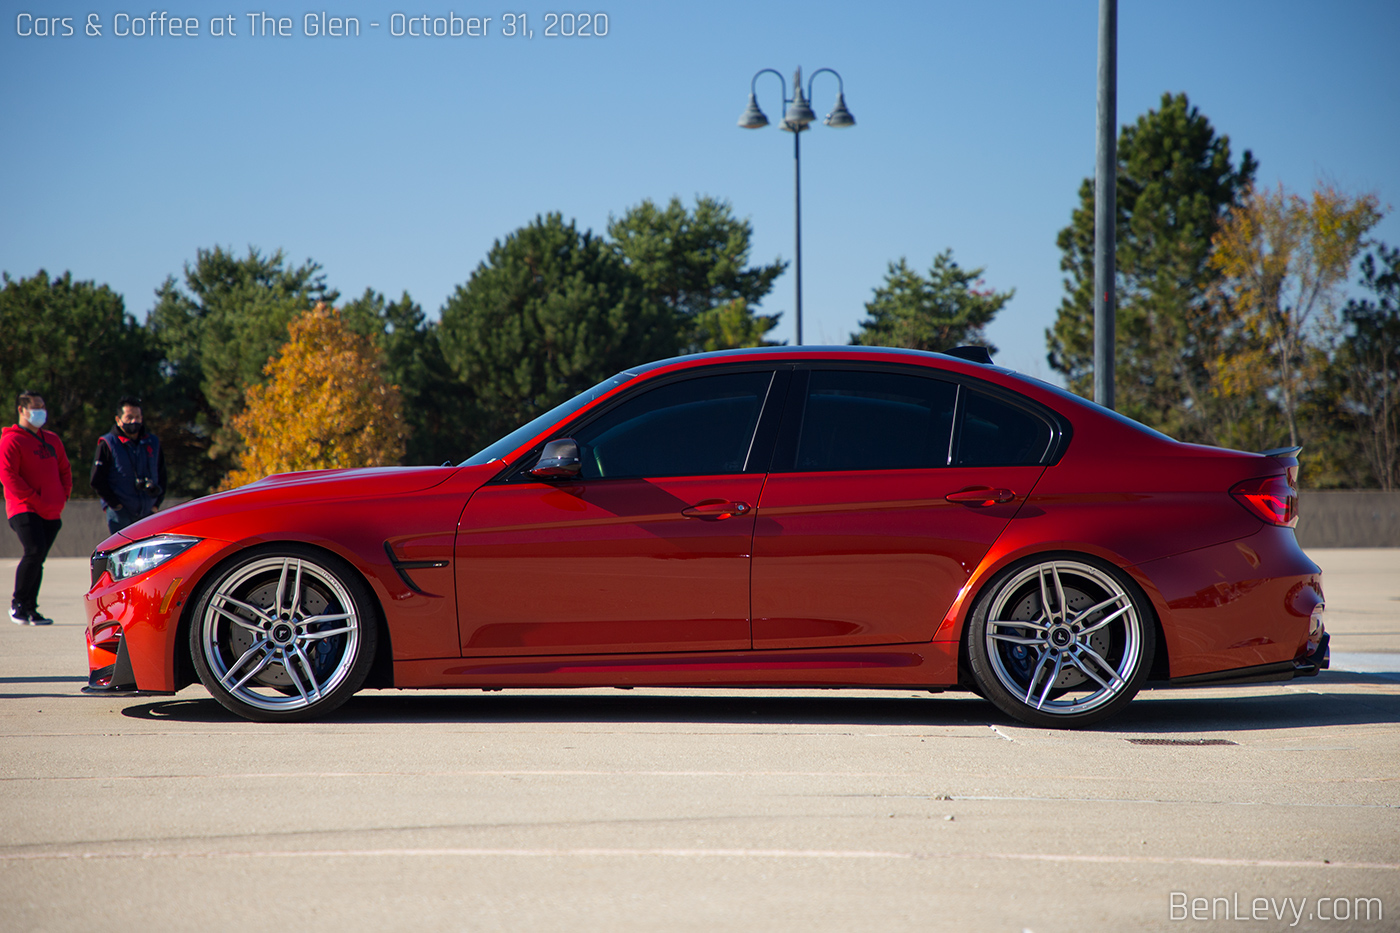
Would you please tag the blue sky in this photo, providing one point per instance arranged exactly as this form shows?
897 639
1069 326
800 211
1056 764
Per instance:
395 162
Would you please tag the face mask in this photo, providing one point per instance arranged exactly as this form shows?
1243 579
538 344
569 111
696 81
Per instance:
37 418
131 429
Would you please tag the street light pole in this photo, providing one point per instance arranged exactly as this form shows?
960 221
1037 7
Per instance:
797 214
796 119
1106 205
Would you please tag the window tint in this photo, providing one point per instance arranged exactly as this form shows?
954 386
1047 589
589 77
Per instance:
857 420
997 434
699 427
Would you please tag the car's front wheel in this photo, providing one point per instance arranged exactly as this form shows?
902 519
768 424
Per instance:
285 633
1060 640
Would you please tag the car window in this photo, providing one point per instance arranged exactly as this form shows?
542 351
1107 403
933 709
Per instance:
698 427
856 420
994 433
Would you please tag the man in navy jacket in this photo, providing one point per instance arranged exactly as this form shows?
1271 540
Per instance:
128 471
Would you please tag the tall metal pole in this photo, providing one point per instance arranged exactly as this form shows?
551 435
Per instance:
1106 204
797 199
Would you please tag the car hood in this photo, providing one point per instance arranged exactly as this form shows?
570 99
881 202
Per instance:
290 489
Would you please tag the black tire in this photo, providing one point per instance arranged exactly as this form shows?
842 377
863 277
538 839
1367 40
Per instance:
1077 663
297 661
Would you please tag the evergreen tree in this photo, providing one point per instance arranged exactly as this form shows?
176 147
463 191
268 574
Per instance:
76 345
949 308
219 331
550 312
695 264
437 408
1369 367
1176 182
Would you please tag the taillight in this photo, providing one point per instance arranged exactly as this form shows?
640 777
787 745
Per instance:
1273 499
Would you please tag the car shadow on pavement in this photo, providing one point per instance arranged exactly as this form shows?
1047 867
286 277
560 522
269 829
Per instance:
1155 711
5 693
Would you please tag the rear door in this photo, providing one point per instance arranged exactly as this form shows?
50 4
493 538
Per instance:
878 510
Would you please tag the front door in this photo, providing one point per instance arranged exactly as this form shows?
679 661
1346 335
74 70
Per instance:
647 550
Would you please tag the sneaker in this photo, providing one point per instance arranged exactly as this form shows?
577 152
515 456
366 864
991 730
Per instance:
19 616
35 618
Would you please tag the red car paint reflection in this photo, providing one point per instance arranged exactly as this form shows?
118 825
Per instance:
787 516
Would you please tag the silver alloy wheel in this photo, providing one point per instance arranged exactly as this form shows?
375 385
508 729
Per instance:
280 634
1065 638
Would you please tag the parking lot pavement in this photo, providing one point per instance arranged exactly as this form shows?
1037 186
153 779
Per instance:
701 810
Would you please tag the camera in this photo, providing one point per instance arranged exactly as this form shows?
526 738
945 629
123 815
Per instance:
147 485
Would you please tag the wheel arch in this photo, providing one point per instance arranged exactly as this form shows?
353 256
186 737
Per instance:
381 672
954 626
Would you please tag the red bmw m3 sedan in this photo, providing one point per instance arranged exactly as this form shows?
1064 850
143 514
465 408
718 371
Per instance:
790 516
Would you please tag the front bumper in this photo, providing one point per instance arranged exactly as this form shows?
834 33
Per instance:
133 624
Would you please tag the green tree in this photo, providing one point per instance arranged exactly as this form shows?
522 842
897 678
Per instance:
1369 366
550 312
695 263
218 332
438 410
74 343
949 308
1176 182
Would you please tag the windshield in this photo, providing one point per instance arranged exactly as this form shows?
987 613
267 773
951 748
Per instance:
523 433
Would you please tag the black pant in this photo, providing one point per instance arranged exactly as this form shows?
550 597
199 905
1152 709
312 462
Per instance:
36 537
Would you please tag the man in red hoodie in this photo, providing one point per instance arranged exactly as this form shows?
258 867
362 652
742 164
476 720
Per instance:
34 470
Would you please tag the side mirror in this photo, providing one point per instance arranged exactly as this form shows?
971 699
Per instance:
559 460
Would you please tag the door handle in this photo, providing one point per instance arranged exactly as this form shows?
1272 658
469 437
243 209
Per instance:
715 509
981 496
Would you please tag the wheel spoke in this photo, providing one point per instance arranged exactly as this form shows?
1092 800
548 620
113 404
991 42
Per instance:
1078 660
296 592
1045 598
260 627
326 617
1099 659
1105 620
310 674
1080 617
1013 639
1035 625
1035 675
1054 676
262 663
247 607
277 602
1061 606
291 669
326 633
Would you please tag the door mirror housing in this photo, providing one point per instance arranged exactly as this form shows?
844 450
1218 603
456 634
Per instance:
559 460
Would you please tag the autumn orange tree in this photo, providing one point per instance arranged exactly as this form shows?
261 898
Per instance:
1284 262
325 405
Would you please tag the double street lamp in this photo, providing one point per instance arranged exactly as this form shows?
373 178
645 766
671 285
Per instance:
796 119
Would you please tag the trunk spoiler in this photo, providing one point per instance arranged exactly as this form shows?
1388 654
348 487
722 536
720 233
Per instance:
1281 452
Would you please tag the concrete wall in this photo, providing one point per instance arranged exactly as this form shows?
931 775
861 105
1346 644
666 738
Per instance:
84 527
1349 518
1331 518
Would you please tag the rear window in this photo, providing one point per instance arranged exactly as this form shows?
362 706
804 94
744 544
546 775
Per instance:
995 433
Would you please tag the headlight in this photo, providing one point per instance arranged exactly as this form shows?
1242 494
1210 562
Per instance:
146 555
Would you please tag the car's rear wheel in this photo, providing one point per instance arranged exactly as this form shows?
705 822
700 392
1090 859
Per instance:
1060 640
283 634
